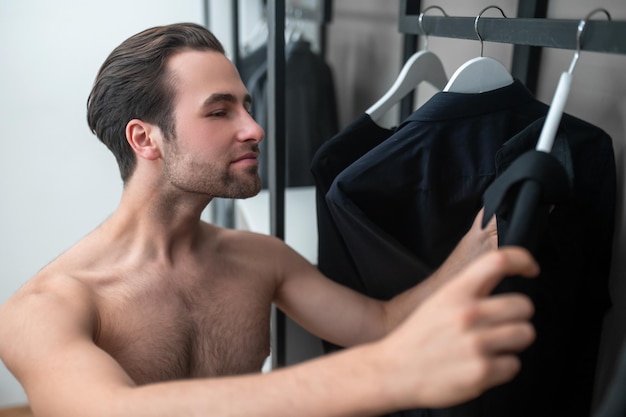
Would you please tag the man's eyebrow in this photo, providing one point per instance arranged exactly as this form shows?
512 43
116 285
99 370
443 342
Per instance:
227 97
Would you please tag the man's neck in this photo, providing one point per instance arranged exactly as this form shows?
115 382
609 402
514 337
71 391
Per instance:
156 223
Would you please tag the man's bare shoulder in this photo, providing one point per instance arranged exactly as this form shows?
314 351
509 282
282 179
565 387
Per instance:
39 311
52 282
252 242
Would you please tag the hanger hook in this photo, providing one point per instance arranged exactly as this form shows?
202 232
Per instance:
579 35
421 17
480 38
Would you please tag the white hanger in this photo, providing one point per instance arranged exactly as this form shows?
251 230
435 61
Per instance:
479 74
422 66
293 32
553 119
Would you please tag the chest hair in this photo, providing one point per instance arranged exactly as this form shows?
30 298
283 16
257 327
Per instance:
160 336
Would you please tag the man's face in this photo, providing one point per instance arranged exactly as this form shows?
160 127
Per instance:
215 150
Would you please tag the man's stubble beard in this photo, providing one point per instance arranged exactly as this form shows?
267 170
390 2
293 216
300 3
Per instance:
193 177
241 188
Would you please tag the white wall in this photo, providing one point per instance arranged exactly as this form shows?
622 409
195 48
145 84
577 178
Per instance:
57 181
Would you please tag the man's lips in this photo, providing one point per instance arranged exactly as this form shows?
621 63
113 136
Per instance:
247 156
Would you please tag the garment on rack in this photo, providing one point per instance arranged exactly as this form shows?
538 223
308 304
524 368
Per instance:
310 107
330 159
419 192
336 154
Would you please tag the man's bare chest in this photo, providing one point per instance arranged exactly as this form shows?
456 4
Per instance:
165 336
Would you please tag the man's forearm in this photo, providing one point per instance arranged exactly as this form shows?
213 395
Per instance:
348 383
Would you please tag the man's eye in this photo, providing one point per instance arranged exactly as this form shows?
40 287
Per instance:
219 113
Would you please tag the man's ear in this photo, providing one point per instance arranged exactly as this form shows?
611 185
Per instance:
144 138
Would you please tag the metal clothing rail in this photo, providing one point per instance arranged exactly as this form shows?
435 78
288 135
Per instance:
525 62
529 32
600 35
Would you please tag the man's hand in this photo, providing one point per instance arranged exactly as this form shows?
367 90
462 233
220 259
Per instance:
462 341
475 242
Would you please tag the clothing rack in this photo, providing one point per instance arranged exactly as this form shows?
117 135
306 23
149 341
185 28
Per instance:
529 32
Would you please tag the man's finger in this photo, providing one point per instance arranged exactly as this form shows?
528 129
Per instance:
507 338
503 308
482 275
502 369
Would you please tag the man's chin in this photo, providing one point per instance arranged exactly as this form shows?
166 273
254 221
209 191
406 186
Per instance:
245 191
252 193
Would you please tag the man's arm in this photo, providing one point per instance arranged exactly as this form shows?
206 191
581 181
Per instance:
459 343
347 318
475 242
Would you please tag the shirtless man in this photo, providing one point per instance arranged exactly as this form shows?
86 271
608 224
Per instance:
157 313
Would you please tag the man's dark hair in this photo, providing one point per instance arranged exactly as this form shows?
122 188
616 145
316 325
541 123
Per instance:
133 83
